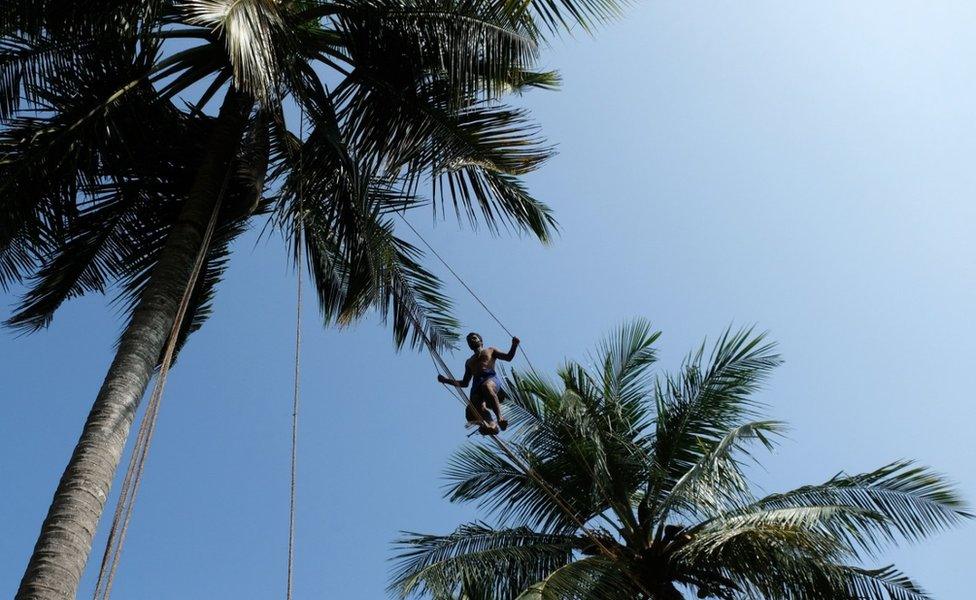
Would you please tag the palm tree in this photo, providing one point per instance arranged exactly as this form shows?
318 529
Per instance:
653 470
113 160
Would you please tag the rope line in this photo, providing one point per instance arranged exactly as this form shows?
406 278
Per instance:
463 284
147 427
298 372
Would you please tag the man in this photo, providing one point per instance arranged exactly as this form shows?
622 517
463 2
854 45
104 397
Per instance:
486 390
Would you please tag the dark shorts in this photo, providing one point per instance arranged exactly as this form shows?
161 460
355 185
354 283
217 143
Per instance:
479 391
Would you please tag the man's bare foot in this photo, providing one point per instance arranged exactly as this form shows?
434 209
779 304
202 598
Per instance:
488 429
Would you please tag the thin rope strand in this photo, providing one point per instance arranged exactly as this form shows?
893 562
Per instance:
464 285
298 371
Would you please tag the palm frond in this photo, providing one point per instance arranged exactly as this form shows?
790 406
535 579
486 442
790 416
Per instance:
623 361
696 409
356 260
716 484
590 578
914 501
476 473
887 583
559 16
472 156
25 63
473 47
250 29
56 161
517 557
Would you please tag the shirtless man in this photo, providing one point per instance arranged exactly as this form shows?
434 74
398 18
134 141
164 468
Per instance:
487 389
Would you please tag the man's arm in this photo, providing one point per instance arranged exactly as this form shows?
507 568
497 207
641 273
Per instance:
461 384
511 353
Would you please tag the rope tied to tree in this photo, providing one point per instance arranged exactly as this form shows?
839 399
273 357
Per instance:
147 427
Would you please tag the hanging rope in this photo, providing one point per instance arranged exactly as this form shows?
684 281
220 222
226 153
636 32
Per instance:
298 371
147 427
463 284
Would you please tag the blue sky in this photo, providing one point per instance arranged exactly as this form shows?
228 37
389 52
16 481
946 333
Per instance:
804 168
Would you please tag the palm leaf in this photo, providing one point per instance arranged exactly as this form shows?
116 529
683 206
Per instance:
518 557
913 500
716 483
698 408
250 30
590 578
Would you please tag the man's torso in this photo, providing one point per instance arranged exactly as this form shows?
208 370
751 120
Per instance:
482 362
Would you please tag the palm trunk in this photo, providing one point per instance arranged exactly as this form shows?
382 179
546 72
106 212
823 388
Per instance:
65 541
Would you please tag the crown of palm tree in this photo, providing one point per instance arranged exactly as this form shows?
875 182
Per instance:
655 467
105 106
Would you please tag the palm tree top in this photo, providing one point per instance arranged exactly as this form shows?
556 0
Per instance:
655 465
104 109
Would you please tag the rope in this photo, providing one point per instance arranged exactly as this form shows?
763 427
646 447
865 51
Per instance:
147 427
297 392
463 284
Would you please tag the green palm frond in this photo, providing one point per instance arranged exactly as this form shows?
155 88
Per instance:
847 526
25 64
716 484
476 473
517 558
558 16
356 260
818 580
410 297
623 361
472 47
914 501
113 240
696 409
472 156
675 491
590 578
887 583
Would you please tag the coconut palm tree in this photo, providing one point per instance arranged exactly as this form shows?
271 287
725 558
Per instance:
124 126
654 497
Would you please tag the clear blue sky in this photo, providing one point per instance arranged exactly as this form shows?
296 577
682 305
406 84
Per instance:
808 168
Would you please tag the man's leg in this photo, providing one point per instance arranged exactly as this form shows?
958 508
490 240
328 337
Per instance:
483 418
477 411
492 391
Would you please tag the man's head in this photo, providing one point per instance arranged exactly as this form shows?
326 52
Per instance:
474 340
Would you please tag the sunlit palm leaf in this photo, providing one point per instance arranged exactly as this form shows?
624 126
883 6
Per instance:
591 578
915 501
250 29
716 484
